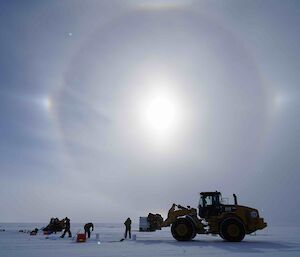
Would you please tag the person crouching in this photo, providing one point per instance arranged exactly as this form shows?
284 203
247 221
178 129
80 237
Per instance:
87 229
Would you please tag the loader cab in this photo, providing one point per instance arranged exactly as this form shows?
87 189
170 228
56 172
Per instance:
209 204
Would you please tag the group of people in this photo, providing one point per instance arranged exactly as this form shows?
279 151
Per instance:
88 227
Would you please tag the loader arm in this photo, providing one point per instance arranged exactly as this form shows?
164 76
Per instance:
174 214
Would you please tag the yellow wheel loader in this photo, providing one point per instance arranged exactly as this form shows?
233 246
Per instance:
231 221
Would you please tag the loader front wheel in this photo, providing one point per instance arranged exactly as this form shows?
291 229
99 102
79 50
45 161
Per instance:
183 230
232 230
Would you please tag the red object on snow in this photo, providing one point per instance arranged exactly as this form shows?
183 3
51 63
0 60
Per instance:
81 238
33 233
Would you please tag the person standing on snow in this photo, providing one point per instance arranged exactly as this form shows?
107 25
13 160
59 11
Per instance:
87 229
127 224
67 228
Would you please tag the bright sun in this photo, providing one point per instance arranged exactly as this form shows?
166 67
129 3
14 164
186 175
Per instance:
160 115
159 108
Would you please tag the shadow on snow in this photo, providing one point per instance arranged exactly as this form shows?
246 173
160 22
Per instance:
244 246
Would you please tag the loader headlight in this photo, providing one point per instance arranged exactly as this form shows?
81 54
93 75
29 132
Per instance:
254 214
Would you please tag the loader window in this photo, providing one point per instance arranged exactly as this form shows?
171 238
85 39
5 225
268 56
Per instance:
203 202
209 200
200 202
215 200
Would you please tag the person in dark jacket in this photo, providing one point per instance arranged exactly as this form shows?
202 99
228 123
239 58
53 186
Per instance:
87 229
67 228
127 224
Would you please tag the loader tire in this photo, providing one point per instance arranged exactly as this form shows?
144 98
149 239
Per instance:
194 234
232 230
183 230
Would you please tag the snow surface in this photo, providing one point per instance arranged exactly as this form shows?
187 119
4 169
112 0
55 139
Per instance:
273 241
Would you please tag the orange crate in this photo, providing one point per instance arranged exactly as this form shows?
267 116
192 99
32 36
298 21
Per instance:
81 238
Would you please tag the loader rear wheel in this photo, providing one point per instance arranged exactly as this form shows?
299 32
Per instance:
232 230
183 230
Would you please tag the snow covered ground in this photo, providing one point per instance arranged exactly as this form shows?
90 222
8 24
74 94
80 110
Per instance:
273 241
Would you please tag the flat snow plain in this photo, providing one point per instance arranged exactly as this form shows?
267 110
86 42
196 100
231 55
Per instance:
273 241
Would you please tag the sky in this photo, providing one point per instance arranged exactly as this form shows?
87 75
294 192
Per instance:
112 109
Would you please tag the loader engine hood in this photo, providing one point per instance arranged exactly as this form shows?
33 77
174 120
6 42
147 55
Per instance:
251 218
248 211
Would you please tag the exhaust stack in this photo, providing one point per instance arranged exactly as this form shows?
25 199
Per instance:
235 199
